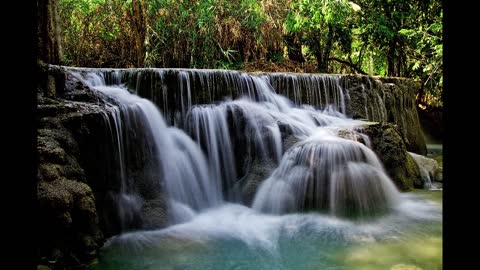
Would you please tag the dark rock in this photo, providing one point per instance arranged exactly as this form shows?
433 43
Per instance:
50 150
51 80
391 150
155 214
431 120
259 171
69 225
51 172
54 196
59 134
386 100
288 141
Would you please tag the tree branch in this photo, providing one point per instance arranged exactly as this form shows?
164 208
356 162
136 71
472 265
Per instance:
348 64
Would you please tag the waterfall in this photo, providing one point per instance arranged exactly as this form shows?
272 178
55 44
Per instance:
178 160
216 123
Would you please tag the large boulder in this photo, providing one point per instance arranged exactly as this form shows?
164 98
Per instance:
387 143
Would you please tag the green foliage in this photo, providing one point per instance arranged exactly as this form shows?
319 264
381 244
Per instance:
377 37
96 33
323 25
425 52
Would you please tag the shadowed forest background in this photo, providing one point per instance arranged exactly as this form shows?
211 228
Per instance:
375 37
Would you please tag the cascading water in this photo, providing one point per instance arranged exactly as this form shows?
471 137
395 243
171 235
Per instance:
210 129
181 163
321 91
323 170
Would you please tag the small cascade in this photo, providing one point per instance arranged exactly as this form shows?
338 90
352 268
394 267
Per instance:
320 91
326 172
128 202
175 91
254 128
430 171
208 126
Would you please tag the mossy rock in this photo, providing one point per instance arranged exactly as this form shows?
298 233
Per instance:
61 135
78 189
54 195
439 160
50 150
391 150
51 172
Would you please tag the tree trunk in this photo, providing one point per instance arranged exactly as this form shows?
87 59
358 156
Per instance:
322 52
49 48
294 48
322 63
391 59
139 29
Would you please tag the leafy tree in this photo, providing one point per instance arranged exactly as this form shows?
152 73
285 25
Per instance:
322 25
424 49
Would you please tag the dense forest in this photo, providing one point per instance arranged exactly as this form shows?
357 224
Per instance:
375 37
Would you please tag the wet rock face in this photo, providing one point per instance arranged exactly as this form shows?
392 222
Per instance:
69 225
386 100
387 143
74 182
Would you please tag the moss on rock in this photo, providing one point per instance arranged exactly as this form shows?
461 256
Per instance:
51 172
54 196
391 150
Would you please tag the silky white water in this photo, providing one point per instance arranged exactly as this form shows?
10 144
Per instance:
327 194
